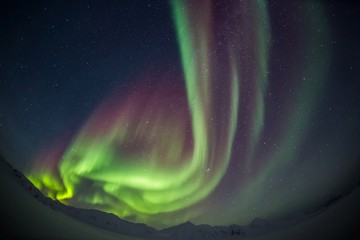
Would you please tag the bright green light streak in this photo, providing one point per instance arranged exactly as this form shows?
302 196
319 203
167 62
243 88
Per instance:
136 185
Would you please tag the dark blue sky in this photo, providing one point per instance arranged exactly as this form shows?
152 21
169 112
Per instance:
59 60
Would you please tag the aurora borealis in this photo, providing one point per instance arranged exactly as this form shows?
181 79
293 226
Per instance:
247 116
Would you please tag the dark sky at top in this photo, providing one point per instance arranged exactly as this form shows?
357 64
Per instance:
59 60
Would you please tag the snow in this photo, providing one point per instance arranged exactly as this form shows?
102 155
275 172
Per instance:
24 217
36 216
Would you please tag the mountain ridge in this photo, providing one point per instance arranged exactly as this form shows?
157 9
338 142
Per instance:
187 230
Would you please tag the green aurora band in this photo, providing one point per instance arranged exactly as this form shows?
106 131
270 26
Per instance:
147 161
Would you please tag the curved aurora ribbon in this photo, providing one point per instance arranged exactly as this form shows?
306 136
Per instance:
154 155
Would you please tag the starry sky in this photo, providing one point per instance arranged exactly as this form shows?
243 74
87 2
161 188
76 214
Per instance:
162 112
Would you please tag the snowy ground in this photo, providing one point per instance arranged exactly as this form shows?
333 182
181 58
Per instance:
30 217
27 218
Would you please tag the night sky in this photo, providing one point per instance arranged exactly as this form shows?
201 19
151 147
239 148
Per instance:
163 112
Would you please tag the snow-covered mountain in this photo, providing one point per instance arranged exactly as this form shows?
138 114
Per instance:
122 229
113 223
96 218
